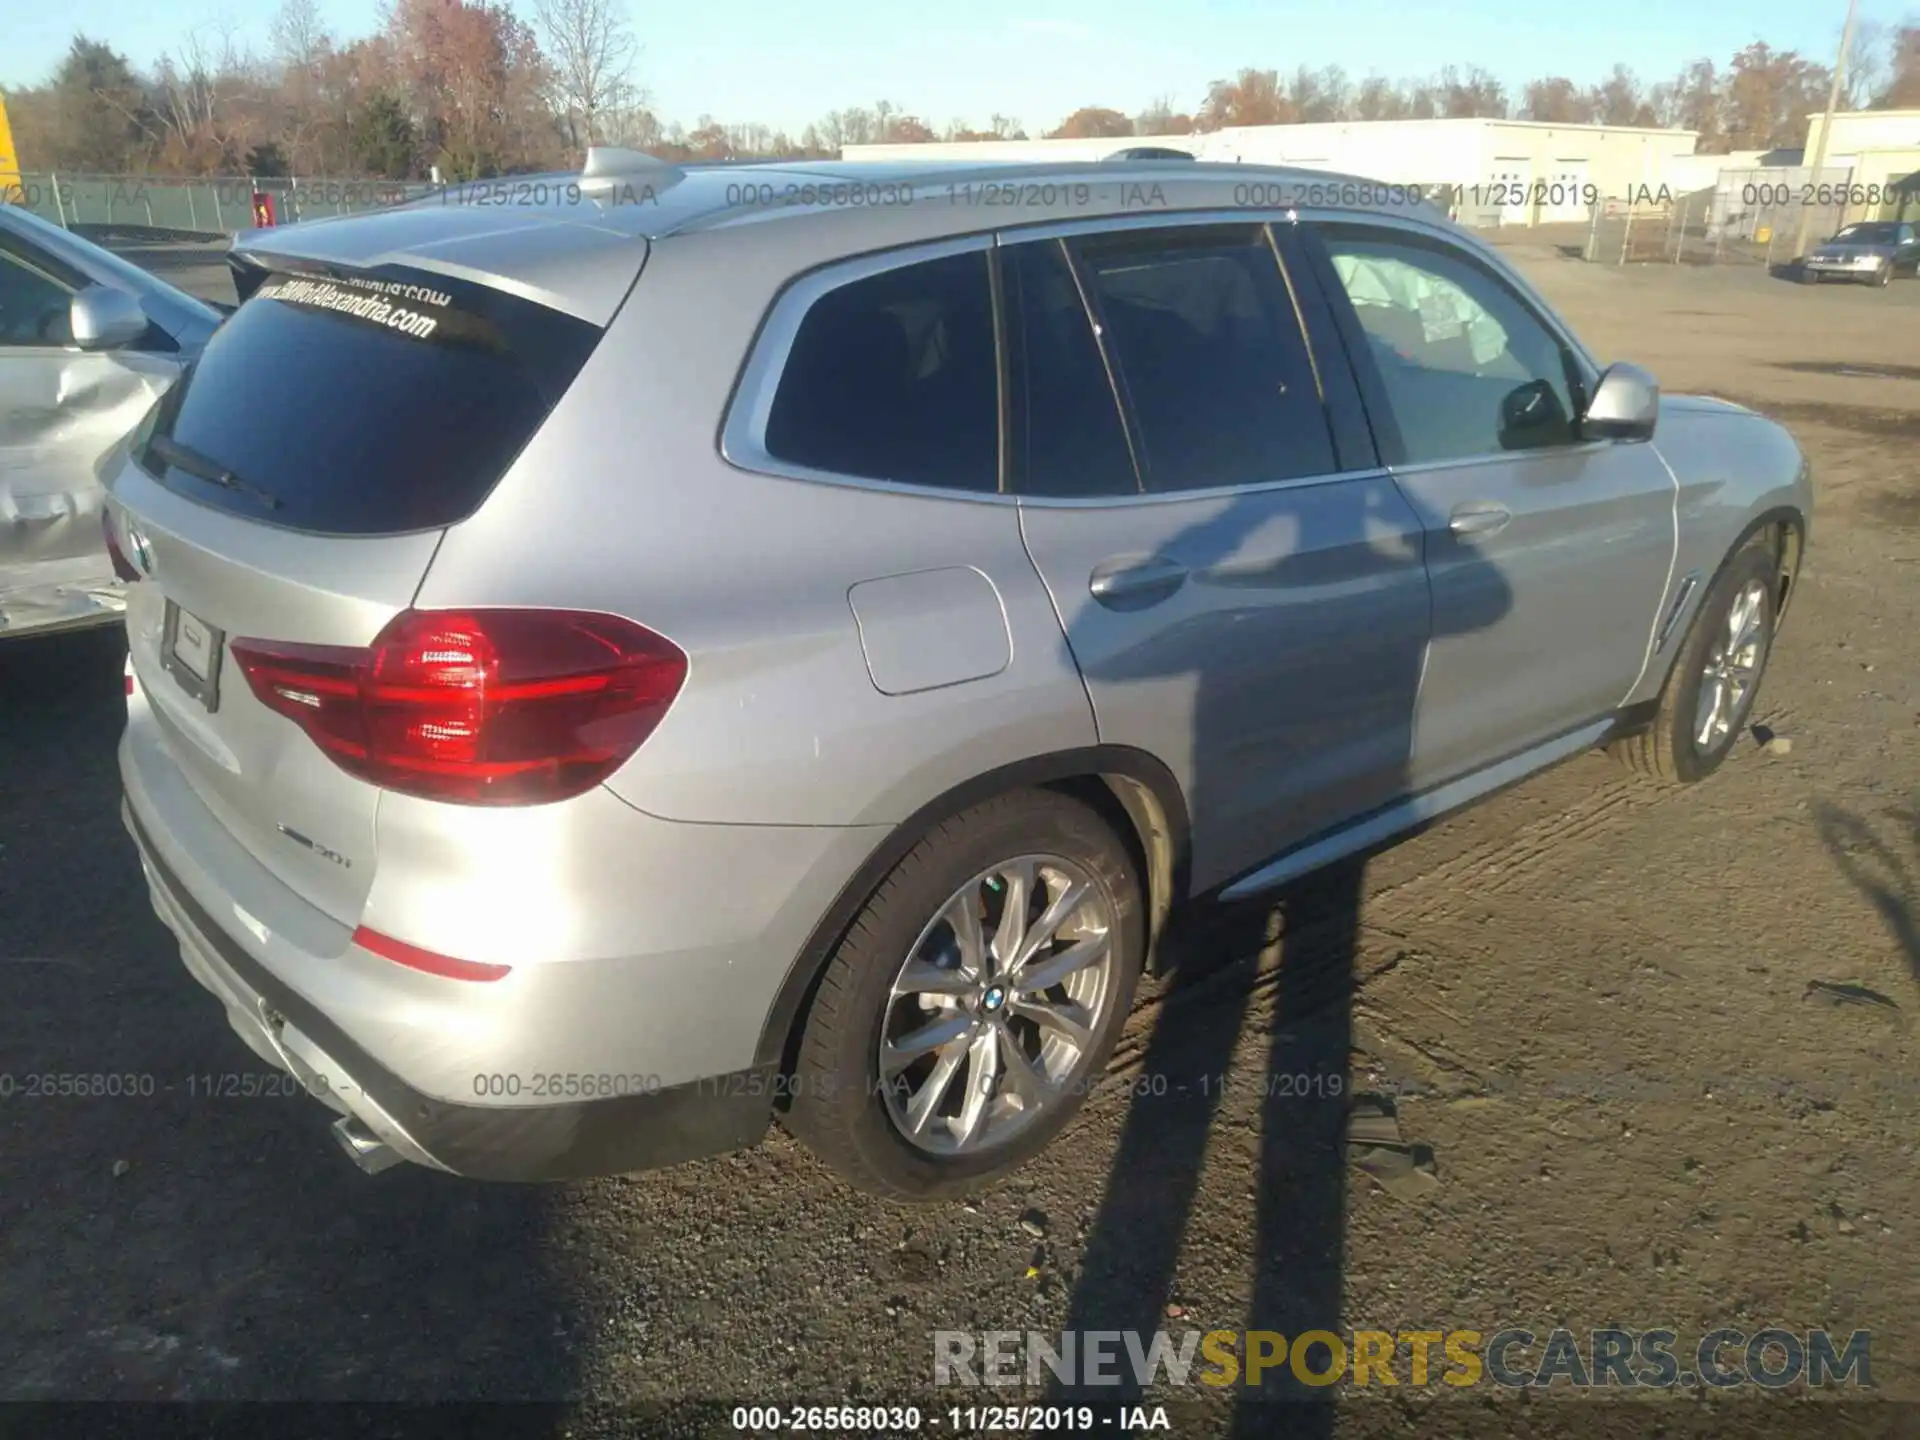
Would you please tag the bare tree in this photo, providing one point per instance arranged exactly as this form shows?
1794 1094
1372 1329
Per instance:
1618 100
302 46
1090 122
300 39
206 105
1378 98
1558 101
1869 63
1160 118
1472 94
1902 89
593 55
1254 97
1319 95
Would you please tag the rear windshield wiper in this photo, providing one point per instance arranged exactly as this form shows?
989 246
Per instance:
184 457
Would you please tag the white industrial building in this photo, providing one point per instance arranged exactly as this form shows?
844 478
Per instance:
1880 152
1512 172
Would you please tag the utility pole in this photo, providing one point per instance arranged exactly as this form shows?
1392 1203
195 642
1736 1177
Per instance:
1826 127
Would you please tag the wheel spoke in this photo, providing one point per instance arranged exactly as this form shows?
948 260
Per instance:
1071 1022
1027 1084
899 1054
1048 925
1736 619
1011 933
963 913
1046 971
1710 712
922 977
983 1070
939 1080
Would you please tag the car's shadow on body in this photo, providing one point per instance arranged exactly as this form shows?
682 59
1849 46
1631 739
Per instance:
167 1234
1303 1089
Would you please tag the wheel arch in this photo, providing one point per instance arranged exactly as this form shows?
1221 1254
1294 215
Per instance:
1785 527
1136 794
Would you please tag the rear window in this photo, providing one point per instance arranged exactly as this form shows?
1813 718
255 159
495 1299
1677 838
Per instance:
369 403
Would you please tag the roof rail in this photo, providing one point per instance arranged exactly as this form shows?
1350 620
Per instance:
1152 152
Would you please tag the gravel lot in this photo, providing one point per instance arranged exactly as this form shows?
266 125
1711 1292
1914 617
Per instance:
1659 1046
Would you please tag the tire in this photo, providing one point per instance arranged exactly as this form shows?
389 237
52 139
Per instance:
1884 276
1668 751
843 1111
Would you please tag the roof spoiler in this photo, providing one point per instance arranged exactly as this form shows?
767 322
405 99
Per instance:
609 168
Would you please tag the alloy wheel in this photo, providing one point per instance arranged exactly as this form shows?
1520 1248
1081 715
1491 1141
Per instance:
1732 671
995 1010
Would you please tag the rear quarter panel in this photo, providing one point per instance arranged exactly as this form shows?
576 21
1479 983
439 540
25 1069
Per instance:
623 503
1734 469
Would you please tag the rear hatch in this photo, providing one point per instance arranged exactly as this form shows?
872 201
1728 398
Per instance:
293 489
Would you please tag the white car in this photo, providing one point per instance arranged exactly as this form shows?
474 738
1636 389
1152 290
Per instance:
88 342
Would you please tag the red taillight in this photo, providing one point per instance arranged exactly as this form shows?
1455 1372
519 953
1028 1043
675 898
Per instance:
480 707
414 958
122 567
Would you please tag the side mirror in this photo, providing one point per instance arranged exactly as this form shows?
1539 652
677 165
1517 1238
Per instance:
1531 415
104 318
1625 405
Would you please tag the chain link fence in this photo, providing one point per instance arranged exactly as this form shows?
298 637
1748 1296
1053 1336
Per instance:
209 208
1748 217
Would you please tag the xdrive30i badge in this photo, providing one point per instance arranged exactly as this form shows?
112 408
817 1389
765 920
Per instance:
316 847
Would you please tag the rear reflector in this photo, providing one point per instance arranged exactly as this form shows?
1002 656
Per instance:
414 958
480 707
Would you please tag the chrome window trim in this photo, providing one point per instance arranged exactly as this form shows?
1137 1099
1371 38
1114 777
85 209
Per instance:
1211 492
743 432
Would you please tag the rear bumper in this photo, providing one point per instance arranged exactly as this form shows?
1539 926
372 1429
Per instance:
551 1142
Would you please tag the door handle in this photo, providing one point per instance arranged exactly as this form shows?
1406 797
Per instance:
1130 582
1478 519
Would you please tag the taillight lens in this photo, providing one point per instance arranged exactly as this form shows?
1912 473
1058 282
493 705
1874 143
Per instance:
122 567
480 707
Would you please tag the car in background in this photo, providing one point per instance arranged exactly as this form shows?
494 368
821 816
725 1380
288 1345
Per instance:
1871 252
639 664
88 343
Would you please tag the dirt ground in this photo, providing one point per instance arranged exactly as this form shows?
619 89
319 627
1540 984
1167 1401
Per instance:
1659 1045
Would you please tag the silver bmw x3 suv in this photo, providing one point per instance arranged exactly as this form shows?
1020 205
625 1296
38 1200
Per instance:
686 644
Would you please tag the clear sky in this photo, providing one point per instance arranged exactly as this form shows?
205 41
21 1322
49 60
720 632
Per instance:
787 63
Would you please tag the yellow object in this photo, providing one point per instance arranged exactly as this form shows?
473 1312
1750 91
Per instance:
9 158
1762 235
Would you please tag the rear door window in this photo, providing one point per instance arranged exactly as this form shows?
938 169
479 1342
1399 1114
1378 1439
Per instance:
1200 327
894 377
368 403
1069 438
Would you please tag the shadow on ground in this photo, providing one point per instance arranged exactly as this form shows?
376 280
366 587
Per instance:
165 1237
1882 862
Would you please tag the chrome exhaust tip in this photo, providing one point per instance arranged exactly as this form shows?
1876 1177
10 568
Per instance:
363 1147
